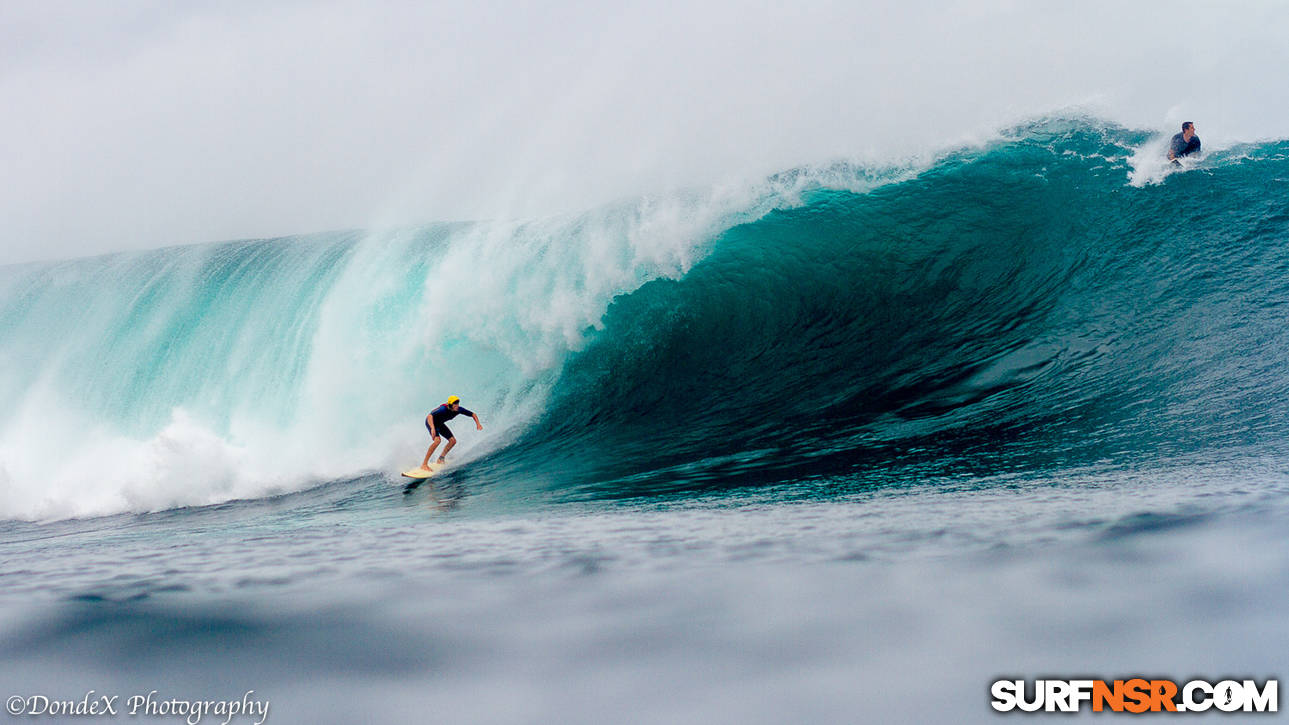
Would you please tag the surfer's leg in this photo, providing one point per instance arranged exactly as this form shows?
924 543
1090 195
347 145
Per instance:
448 447
435 444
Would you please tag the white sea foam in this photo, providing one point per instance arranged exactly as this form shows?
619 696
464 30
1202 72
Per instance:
1150 163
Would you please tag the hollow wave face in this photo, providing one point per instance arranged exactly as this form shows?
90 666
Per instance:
1027 304
1022 306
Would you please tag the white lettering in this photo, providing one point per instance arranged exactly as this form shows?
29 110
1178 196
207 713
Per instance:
1058 696
1082 692
1266 701
1202 704
1038 697
1004 692
1228 696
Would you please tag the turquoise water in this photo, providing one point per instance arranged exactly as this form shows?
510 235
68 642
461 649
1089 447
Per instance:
840 442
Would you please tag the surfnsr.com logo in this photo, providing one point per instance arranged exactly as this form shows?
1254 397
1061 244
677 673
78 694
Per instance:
1136 695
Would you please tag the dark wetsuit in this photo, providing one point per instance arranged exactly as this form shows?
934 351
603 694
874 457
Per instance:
1181 147
441 416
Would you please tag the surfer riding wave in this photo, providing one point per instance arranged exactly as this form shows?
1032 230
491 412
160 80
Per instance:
436 424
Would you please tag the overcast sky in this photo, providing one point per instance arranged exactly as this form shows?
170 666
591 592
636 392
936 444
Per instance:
132 124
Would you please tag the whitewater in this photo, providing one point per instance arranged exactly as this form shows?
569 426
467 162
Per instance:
786 449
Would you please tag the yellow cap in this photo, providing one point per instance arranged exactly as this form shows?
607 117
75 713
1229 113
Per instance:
453 399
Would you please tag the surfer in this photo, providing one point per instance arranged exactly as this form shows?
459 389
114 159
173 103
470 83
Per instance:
1184 143
436 422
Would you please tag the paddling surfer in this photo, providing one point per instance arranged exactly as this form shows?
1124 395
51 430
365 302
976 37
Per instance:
1184 143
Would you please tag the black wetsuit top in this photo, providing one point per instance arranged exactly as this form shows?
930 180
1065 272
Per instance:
443 413
441 416
1181 147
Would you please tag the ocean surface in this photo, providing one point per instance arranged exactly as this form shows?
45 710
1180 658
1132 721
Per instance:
844 444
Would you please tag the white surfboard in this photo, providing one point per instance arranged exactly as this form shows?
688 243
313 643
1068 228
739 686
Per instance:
421 473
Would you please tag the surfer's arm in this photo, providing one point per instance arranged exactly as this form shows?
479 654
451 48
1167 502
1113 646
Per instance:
477 424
